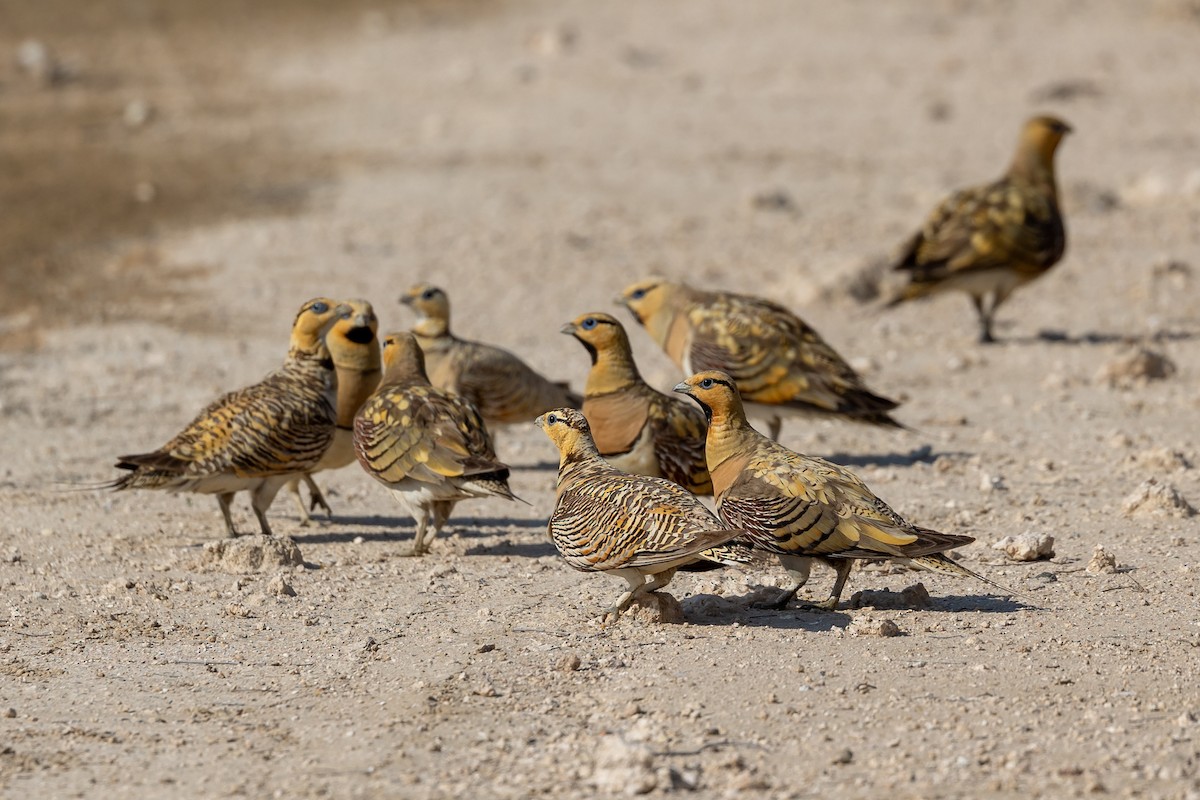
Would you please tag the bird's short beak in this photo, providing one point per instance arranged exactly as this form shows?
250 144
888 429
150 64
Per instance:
619 300
406 299
683 388
568 329
541 422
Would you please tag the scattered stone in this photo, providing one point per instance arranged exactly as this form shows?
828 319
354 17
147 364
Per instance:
1102 561
1135 369
1162 459
555 41
36 60
915 596
1157 498
484 690
237 610
1027 546
486 648
869 626
10 713
568 662
246 554
845 756
772 200
623 767
687 779
137 113
280 587
658 607
991 483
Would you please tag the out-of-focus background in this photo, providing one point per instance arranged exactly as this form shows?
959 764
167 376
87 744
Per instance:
177 178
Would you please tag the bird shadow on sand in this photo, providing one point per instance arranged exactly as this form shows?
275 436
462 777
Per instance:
712 609
924 454
537 466
1052 336
400 528
518 549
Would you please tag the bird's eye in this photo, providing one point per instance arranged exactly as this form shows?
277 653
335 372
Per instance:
707 383
552 419
637 294
428 294
588 323
319 307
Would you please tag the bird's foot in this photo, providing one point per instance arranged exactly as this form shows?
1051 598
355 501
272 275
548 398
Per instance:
318 501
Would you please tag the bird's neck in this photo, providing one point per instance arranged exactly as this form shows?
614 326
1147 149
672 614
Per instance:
578 461
308 347
354 387
728 439
1034 164
612 370
432 327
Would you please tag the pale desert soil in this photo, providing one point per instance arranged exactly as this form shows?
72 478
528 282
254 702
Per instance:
533 158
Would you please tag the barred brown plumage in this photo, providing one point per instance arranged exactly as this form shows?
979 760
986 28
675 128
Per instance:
254 439
989 240
632 526
503 387
801 508
781 365
354 347
429 447
636 428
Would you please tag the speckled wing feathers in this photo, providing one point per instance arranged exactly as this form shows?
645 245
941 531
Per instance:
422 433
1011 223
776 358
282 424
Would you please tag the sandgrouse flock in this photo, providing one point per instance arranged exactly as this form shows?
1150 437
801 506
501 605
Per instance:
416 413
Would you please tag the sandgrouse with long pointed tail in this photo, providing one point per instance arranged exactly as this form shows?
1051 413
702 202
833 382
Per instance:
258 438
803 508
782 366
428 446
989 240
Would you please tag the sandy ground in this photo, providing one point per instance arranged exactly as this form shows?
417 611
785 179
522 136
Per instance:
177 183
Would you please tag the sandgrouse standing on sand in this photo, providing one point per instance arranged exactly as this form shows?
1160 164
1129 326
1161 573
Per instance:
504 388
354 347
989 240
428 446
631 526
781 365
802 508
258 438
635 427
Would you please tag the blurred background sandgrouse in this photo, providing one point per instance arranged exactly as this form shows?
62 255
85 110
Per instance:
989 240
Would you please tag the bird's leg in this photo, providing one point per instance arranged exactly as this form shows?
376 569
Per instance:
842 566
418 548
985 319
315 498
774 426
441 513
293 488
223 500
261 499
636 581
657 581
799 568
